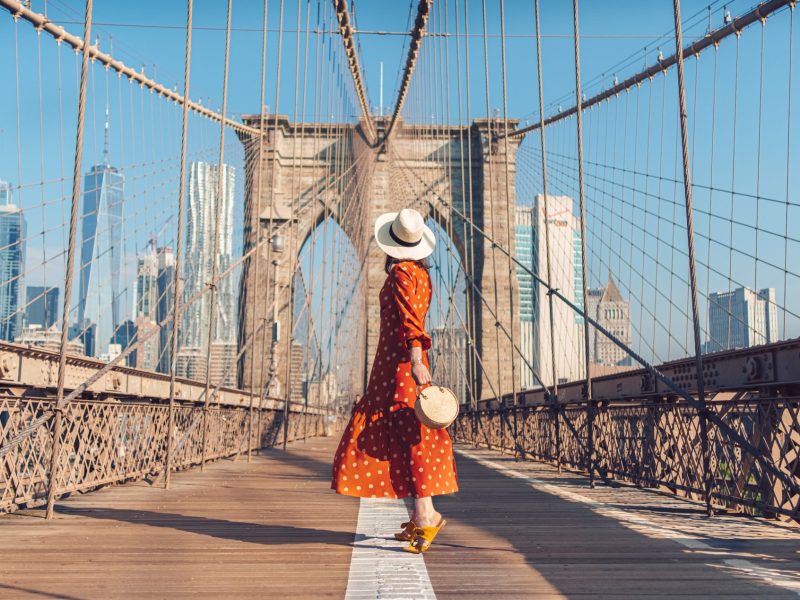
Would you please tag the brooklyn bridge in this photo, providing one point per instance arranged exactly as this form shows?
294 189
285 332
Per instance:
189 294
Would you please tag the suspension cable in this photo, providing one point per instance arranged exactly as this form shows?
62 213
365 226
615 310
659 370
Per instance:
55 462
423 12
176 281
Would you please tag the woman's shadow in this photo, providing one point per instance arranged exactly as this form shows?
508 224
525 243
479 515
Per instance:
255 533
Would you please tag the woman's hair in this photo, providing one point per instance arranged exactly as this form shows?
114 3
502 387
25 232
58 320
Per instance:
391 261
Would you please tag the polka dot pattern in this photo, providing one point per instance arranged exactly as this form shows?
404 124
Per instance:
384 445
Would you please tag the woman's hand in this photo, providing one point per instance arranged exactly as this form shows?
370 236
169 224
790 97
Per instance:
420 372
418 369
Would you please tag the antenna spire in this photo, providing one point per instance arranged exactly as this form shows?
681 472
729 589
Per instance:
105 129
105 140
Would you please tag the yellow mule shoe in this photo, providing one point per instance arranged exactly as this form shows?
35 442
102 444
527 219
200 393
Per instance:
423 538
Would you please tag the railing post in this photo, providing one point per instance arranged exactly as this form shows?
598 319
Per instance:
58 417
587 390
687 189
176 285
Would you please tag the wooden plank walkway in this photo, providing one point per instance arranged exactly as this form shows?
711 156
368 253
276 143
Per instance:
273 529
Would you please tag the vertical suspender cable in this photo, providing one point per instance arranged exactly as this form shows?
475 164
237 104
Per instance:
176 287
582 204
293 233
687 190
215 260
491 209
554 395
255 205
464 196
514 381
272 273
471 318
271 279
313 231
788 184
58 417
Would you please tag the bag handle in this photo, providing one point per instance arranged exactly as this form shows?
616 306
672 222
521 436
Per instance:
422 387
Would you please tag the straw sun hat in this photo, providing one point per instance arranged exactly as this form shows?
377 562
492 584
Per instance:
404 235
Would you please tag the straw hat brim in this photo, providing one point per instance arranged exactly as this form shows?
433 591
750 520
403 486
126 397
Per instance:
384 239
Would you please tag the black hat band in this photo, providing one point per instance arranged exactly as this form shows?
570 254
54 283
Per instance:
400 242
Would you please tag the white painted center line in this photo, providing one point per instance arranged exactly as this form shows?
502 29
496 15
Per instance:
775 577
379 568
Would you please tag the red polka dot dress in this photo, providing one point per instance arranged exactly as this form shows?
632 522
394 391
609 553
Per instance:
385 451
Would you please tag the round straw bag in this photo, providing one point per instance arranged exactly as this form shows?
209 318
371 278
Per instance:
436 407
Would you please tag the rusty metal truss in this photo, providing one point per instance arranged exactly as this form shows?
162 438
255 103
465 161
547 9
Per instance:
26 371
117 430
106 442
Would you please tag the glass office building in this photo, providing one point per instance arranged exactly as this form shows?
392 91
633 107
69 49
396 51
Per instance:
12 259
101 253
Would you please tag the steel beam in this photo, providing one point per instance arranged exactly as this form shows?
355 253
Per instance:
775 366
32 371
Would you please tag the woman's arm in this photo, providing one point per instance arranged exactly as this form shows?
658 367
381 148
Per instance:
412 312
418 368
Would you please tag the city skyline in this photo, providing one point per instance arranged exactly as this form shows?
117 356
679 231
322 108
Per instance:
131 149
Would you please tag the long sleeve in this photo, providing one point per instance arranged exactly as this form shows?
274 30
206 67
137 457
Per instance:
413 306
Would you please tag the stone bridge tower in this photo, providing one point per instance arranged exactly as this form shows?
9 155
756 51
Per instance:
442 171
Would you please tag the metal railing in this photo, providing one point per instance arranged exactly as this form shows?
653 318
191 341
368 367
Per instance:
115 435
638 431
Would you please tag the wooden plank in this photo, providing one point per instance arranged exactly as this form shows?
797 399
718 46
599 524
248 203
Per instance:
508 539
271 528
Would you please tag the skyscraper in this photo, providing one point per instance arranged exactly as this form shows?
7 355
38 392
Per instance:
5 192
578 270
123 336
12 259
147 283
523 252
101 251
566 341
166 296
741 318
41 306
200 231
154 299
608 307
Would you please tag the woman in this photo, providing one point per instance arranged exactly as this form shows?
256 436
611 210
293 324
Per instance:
385 451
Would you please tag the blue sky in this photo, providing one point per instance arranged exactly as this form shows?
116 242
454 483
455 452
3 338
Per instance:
619 37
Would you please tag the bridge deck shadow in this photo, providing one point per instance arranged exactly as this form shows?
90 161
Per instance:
272 528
